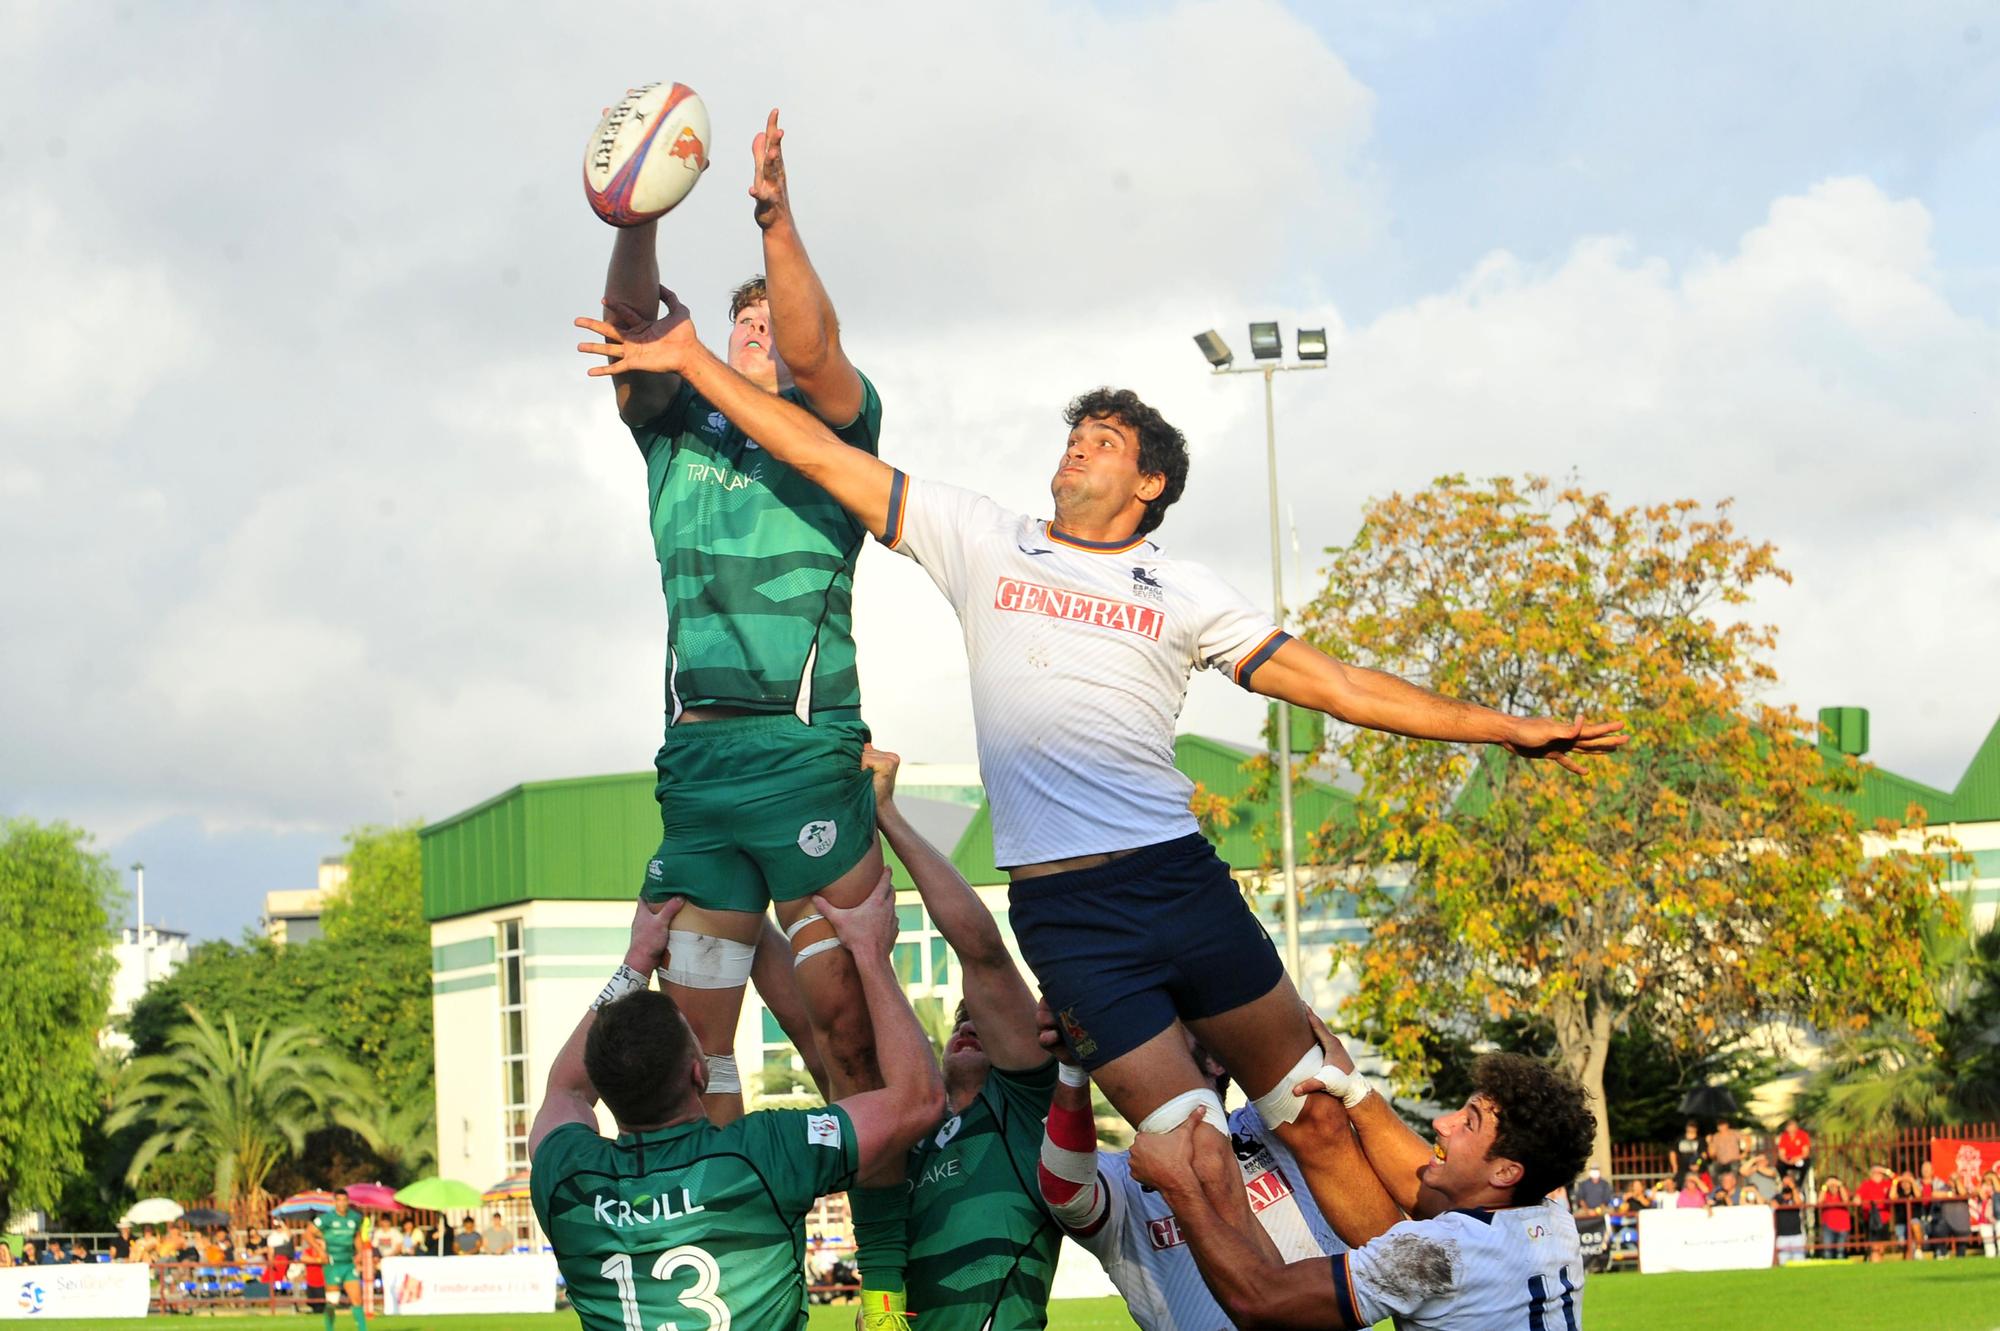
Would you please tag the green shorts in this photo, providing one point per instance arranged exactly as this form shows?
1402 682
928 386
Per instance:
339 1274
756 809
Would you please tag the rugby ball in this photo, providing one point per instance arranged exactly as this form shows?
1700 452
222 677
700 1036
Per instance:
646 153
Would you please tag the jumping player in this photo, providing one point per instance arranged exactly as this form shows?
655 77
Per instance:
341 1230
1081 633
681 1215
1487 1245
762 799
1131 1229
982 1243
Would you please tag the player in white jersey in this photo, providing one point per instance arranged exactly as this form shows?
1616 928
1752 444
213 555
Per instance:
1081 633
1131 1229
1487 1246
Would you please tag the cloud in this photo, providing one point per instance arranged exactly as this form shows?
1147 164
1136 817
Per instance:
343 531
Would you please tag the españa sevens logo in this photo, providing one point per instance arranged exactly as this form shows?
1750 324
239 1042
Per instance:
817 838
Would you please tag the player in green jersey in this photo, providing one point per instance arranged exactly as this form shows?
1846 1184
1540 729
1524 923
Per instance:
342 1229
683 1222
982 1243
762 801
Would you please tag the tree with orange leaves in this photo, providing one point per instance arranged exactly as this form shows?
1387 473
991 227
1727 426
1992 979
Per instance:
1704 884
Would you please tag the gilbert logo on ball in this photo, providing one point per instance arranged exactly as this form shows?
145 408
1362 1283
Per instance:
646 153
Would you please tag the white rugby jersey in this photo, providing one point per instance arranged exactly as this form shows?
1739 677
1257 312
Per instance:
1147 1257
1518 1267
1080 654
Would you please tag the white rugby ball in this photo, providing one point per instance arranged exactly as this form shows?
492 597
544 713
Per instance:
646 153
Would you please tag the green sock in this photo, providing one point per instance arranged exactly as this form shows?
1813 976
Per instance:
881 1235
329 1317
360 1317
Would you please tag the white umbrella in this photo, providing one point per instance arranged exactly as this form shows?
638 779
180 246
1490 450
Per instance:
153 1211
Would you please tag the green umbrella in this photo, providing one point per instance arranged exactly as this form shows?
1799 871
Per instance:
439 1194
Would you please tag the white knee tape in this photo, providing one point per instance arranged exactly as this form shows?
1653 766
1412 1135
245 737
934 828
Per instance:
1179 1109
696 961
810 950
722 1075
1278 1106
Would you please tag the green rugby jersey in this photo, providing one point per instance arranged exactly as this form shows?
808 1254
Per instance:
982 1246
341 1232
757 564
697 1227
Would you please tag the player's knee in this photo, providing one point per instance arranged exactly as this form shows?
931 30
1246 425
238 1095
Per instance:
1182 1107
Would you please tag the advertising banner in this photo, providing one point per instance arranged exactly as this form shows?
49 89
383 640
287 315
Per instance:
525 1283
1731 1238
1952 1156
87 1289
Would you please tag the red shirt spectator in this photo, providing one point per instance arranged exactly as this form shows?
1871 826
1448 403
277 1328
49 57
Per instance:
1794 1144
1833 1212
1873 1194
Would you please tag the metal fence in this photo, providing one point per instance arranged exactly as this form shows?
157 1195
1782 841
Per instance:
1848 1158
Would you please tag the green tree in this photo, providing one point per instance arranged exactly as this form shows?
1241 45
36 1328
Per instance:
243 1104
56 899
1703 881
403 1137
380 944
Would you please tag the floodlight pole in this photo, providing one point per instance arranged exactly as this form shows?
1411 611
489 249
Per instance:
1284 777
145 961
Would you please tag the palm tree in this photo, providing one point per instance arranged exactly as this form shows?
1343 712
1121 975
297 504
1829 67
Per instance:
403 1137
1886 1076
245 1104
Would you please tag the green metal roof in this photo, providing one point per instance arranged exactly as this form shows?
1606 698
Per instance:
588 838
1883 794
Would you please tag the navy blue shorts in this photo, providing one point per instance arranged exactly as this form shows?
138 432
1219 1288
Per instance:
1123 949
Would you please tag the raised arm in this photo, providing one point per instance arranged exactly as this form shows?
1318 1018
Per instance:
1067 1175
569 1097
889 1121
633 283
997 999
802 319
858 482
1306 677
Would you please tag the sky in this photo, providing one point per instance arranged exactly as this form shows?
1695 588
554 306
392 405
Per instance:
310 519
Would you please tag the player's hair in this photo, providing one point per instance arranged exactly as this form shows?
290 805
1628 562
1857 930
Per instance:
1162 448
637 1055
340 1192
748 294
1545 1124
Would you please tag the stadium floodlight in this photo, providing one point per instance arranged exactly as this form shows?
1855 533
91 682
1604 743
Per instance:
1265 344
1212 346
1312 344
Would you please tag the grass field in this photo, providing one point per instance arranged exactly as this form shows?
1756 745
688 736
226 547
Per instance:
1962 1295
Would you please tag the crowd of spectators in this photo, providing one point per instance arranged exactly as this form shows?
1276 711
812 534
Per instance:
276 1249
1887 1213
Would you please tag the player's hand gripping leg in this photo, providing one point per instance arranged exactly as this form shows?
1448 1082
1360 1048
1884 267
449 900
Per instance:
1269 1047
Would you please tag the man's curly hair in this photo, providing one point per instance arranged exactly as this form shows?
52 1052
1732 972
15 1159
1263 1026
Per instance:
1162 448
748 294
1545 1124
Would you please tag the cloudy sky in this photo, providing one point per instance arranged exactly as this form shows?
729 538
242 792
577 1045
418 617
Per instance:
309 517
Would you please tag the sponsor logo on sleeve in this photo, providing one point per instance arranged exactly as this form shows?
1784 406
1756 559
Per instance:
1031 598
823 1130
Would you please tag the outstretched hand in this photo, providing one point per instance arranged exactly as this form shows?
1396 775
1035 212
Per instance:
1538 737
636 340
767 182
